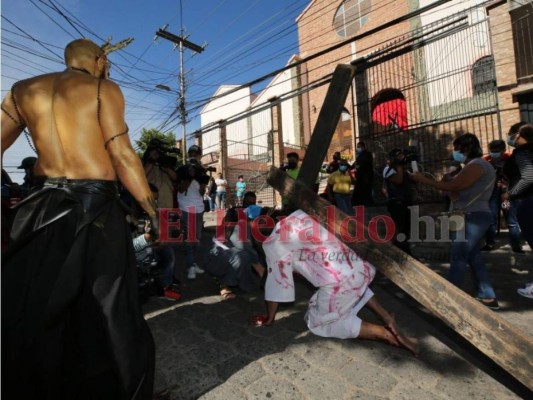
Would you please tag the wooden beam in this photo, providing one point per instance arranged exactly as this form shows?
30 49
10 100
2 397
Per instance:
326 123
504 343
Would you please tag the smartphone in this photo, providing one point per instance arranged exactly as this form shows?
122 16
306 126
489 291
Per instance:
414 166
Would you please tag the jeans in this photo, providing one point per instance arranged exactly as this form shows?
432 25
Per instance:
343 202
525 219
221 200
510 218
165 258
212 202
191 226
468 251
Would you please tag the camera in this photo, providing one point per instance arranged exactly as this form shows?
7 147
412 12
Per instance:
193 170
167 154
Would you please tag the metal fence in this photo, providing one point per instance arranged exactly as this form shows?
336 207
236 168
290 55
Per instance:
417 93
423 90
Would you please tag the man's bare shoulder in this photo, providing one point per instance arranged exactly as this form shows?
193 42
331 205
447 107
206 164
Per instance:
35 81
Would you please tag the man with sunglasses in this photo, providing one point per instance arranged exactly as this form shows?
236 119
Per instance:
71 323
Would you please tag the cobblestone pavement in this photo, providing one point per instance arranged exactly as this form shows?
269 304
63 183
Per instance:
206 349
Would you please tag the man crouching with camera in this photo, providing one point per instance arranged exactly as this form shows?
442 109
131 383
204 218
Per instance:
154 258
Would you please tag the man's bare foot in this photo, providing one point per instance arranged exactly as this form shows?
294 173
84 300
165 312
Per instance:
409 343
227 294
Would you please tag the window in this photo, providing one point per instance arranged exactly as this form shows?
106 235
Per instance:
522 25
351 16
483 76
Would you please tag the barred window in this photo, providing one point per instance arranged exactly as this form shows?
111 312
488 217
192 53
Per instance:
351 16
483 76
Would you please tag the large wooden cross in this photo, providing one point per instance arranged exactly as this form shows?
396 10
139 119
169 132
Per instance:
504 343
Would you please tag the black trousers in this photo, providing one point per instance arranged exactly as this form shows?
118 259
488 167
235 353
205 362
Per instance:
401 216
72 327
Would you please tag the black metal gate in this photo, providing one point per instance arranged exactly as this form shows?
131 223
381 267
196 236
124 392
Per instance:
424 89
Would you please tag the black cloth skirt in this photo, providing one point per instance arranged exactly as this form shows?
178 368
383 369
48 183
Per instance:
72 327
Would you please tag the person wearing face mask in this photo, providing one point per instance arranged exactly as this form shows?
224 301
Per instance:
471 190
234 259
338 189
334 164
292 169
399 193
519 172
364 167
497 157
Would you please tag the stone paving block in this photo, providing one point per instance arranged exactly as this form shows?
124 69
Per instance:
473 386
189 338
246 376
370 351
409 390
284 364
232 365
213 353
413 370
374 379
220 328
275 388
314 384
362 395
192 381
320 355
224 392
252 347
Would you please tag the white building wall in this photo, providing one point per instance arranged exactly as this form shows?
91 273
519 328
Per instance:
224 108
249 137
455 53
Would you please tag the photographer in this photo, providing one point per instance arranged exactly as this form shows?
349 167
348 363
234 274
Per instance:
398 185
192 180
151 253
159 167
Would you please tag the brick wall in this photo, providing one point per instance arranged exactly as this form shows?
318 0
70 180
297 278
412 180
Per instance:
316 32
504 58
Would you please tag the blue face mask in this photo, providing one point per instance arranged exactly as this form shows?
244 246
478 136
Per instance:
359 150
343 168
495 156
458 156
511 140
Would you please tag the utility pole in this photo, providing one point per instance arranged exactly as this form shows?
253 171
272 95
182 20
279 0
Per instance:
182 42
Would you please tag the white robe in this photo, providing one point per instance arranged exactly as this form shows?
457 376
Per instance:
300 244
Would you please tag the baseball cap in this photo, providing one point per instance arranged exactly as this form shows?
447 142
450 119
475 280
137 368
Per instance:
195 149
27 162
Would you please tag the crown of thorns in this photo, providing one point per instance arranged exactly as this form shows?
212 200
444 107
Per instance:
108 47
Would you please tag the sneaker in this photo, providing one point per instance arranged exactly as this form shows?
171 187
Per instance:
527 291
518 250
492 304
197 269
191 274
170 292
487 247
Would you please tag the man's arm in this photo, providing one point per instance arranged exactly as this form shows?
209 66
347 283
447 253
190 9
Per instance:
125 161
11 128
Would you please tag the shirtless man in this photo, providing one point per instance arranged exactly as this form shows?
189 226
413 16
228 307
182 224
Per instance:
71 323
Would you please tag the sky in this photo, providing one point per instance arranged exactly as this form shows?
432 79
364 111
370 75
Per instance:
245 40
